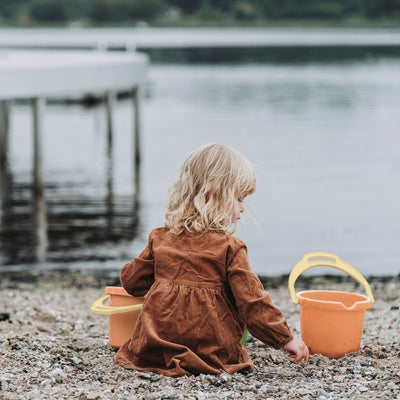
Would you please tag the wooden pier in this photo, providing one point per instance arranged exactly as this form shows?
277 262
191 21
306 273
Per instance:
38 75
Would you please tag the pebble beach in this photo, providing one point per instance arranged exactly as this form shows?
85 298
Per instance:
53 347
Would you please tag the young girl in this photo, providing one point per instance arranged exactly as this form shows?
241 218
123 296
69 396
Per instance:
200 294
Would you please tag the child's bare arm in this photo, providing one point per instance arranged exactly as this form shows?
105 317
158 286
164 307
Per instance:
297 349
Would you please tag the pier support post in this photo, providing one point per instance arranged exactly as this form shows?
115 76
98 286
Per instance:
5 177
39 201
110 106
4 131
137 140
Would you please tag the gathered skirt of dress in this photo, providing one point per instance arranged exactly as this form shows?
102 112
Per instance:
186 329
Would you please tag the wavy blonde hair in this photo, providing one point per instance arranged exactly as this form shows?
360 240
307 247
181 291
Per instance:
209 183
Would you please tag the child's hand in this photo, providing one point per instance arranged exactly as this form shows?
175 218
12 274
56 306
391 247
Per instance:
297 349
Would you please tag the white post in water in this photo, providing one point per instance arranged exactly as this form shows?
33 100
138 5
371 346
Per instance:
110 105
39 202
137 145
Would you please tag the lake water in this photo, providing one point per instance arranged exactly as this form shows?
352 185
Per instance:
321 127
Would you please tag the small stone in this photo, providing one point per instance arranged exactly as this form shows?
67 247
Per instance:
57 372
4 384
15 346
144 375
373 384
46 382
225 377
93 396
4 316
76 360
41 328
322 393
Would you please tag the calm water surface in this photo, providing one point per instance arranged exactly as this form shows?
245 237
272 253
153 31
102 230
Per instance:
323 136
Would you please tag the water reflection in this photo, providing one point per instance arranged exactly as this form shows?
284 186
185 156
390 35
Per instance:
5 194
75 225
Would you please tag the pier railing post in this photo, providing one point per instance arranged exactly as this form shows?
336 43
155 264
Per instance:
137 140
39 201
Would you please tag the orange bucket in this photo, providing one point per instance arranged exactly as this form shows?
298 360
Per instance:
123 312
331 322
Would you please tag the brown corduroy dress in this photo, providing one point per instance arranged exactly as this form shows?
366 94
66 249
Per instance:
200 295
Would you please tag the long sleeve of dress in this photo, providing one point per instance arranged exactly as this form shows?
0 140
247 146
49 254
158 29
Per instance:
263 320
137 276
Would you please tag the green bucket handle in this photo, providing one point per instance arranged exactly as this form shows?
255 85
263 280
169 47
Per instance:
98 307
324 259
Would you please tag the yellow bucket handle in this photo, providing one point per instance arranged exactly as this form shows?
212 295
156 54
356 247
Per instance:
98 307
328 260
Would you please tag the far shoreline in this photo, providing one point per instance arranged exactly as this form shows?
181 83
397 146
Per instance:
194 22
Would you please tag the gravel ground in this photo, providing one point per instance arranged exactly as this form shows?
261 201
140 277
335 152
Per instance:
53 347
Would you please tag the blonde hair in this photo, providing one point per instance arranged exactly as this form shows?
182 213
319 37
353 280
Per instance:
209 184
